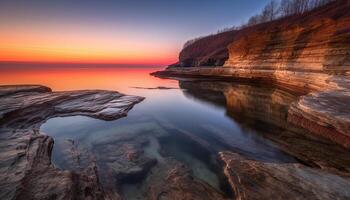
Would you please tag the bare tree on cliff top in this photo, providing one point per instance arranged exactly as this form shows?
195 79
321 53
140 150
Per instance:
273 10
270 11
292 7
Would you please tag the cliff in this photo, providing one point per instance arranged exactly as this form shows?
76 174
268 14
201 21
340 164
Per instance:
315 41
308 54
318 41
208 51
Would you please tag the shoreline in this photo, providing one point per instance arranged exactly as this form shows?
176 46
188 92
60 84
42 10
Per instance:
26 152
327 116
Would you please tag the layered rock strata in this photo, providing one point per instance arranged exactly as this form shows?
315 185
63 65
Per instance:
262 180
25 154
324 113
303 53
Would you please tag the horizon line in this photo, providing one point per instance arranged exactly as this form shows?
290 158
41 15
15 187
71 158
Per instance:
2 63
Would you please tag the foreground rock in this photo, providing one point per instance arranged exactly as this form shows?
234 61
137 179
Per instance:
258 180
324 113
26 171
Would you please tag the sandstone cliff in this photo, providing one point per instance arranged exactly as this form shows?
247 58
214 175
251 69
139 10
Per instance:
315 41
303 53
208 51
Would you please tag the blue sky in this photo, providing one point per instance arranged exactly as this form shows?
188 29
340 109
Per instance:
167 24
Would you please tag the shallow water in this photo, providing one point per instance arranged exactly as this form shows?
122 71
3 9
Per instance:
190 124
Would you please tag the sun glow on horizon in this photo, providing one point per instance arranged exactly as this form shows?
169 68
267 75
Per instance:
80 44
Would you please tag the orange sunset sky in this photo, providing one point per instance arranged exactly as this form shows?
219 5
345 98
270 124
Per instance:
72 45
149 32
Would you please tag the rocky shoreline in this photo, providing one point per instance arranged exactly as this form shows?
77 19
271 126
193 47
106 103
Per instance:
306 53
265 180
322 110
316 175
27 171
25 156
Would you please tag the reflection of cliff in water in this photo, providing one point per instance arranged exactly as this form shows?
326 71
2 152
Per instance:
265 111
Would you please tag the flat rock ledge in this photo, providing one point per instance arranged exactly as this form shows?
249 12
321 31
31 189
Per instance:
323 110
255 180
26 171
324 113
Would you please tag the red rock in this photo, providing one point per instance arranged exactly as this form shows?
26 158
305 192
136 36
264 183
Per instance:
303 53
262 180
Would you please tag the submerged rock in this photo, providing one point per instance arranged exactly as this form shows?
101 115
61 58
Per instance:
26 171
174 180
123 162
261 180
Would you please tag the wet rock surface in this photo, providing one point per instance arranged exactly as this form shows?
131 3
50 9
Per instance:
25 156
325 113
262 180
156 160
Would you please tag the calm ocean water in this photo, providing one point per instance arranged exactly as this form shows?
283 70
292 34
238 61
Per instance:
191 122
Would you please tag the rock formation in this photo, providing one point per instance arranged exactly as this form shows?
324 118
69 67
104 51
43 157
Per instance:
324 113
25 154
302 53
262 180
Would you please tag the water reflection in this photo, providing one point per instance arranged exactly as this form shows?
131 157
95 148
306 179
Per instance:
190 125
264 110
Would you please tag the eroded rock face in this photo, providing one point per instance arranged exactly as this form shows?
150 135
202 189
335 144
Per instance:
298 81
303 53
208 51
25 154
260 180
324 113
317 41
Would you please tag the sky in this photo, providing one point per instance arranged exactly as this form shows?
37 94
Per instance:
147 32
